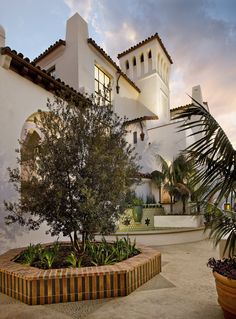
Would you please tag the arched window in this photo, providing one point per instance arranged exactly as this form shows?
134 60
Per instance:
127 65
141 58
135 137
150 66
134 61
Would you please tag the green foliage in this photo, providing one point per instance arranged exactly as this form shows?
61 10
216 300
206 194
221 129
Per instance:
222 224
30 254
213 155
48 258
95 253
124 248
44 257
105 253
137 201
72 259
132 199
174 177
150 199
214 159
78 174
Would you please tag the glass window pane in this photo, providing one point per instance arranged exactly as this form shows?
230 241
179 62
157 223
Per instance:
107 80
102 83
96 72
96 86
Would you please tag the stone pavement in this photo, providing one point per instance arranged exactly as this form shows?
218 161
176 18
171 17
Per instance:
184 289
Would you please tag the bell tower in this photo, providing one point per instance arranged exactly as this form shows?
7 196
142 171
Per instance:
148 64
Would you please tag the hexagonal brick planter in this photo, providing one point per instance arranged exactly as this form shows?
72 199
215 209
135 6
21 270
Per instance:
36 286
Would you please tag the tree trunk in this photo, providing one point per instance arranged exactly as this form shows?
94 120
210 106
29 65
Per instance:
198 207
184 204
160 194
171 204
84 239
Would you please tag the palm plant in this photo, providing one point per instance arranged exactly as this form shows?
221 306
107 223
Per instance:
214 163
173 177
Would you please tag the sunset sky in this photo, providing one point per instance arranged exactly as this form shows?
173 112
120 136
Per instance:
199 35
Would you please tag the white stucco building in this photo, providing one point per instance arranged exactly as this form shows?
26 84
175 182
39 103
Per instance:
138 88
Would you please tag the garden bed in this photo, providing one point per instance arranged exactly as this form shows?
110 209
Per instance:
33 286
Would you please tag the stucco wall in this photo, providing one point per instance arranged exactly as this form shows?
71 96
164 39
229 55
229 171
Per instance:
19 99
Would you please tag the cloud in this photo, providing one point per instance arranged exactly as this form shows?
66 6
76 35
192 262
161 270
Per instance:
199 35
85 7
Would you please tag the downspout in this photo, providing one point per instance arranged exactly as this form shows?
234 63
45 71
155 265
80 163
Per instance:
117 83
142 133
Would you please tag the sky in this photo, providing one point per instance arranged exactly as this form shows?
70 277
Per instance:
200 36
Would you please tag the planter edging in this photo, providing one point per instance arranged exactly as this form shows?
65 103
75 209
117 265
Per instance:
36 286
226 290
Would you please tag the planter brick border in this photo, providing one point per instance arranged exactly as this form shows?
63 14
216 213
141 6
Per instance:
35 286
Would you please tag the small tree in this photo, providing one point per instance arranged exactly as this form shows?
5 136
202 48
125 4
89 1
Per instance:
78 174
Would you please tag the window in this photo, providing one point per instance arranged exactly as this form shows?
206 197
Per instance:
135 137
52 71
134 61
142 58
150 54
102 85
127 65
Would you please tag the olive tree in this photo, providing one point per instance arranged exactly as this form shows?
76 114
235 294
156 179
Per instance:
76 177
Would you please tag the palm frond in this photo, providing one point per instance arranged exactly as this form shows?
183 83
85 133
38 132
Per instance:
225 226
213 153
157 177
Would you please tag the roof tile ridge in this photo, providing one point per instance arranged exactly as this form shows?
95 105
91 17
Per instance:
49 49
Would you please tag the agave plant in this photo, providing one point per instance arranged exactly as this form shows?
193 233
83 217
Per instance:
214 163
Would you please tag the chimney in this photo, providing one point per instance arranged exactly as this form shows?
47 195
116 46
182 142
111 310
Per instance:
197 94
2 37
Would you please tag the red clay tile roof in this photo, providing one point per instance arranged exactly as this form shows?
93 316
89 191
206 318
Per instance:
145 175
155 36
142 118
49 50
181 107
29 70
109 59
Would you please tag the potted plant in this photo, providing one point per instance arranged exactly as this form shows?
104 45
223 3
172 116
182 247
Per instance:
214 162
137 209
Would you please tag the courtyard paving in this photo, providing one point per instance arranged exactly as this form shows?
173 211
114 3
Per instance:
184 289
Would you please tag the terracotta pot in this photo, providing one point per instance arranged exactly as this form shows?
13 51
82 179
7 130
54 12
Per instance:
226 290
137 213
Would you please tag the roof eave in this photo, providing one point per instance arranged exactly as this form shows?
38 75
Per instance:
155 36
109 59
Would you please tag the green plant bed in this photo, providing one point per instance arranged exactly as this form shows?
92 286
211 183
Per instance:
61 255
36 286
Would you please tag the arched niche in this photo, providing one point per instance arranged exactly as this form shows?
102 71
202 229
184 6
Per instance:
149 56
30 139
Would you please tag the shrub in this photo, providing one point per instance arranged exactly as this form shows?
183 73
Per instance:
225 267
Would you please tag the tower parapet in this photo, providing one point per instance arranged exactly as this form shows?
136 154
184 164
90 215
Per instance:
148 64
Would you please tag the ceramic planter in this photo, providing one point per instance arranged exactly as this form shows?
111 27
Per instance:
226 290
137 213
